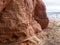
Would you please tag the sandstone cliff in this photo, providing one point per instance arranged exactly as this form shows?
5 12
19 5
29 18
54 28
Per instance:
17 24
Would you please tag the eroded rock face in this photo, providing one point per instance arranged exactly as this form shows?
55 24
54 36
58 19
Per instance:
40 14
3 4
17 23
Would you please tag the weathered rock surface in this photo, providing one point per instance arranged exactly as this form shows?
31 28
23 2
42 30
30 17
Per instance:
3 4
40 14
17 25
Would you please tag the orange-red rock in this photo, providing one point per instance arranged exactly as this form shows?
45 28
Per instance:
40 14
3 4
17 23
17 26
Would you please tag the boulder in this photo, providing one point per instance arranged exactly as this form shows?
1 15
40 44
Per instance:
40 14
17 25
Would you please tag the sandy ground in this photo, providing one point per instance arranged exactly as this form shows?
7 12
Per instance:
53 32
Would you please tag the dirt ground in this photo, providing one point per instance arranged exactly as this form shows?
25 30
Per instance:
53 32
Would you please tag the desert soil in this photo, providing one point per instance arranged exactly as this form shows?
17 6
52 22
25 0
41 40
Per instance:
53 32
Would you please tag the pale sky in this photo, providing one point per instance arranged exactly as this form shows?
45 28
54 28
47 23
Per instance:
52 5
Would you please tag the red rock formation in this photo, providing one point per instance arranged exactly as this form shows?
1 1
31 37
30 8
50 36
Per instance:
40 14
18 25
3 4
